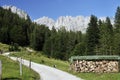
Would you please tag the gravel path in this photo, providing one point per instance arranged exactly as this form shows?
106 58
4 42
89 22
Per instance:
48 73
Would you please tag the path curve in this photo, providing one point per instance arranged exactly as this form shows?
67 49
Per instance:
48 73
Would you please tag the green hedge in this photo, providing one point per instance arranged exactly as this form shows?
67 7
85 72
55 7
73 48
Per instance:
102 57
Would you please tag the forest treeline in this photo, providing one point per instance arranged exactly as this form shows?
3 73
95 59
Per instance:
101 37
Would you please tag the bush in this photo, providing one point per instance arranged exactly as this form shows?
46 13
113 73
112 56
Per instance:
14 47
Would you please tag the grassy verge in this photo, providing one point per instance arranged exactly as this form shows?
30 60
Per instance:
42 59
10 71
64 65
4 47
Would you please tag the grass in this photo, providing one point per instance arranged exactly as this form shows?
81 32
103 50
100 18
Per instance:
42 59
10 71
64 65
99 76
4 47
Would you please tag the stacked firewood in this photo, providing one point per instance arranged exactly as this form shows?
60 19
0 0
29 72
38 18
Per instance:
95 66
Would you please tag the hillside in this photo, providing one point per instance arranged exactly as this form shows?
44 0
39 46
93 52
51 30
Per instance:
10 71
13 29
101 37
14 9
38 57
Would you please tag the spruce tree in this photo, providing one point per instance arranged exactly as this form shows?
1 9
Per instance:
92 36
106 37
117 32
117 19
79 50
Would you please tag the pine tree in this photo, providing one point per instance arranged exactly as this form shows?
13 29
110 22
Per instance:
13 28
38 37
117 19
92 35
106 37
117 32
47 45
79 49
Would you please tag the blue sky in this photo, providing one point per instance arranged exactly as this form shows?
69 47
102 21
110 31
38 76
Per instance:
56 8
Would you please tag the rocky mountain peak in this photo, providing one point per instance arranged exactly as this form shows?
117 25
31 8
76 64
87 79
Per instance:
16 10
78 23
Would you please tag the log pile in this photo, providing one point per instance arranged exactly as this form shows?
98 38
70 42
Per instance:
95 66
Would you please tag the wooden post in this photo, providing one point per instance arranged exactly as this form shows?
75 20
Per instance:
0 70
30 64
20 66
119 65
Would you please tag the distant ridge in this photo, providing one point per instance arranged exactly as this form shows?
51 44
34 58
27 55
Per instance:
16 10
78 23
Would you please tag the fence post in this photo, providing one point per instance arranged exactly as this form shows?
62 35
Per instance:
118 64
20 66
0 70
30 64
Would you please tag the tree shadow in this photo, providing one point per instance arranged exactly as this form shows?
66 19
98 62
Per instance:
35 78
12 78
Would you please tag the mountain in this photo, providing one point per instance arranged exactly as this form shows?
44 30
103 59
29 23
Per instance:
46 21
70 23
16 10
73 23
78 23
